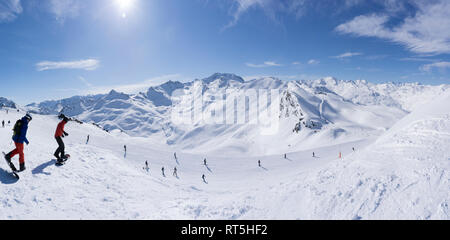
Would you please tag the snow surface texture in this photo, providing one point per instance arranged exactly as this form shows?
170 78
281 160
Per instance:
399 169
325 110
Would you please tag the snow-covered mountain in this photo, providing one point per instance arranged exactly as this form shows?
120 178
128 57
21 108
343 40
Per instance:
6 103
311 112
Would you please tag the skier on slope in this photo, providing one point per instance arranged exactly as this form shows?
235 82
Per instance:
259 163
59 134
162 170
204 178
3 124
204 162
175 174
146 166
19 137
87 141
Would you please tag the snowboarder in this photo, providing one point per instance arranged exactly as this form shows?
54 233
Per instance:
19 137
175 172
59 134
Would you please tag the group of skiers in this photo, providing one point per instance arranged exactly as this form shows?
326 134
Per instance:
175 170
20 137
3 123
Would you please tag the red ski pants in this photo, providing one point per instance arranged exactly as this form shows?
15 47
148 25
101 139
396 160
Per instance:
18 150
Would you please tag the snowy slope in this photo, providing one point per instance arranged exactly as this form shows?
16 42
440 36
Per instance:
404 174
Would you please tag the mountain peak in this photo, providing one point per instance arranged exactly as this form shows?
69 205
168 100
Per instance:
223 77
113 94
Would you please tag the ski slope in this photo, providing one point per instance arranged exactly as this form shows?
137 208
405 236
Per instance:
403 174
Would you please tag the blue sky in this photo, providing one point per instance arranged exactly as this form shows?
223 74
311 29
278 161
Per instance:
51 49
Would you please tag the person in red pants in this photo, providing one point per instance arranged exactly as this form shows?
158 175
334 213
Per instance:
19 138
59 134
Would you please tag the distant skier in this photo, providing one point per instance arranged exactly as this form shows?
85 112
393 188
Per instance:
3 124
259 163
314 155
204 178
87 141
175 174
162 170
19 137
146 166
59 135
285 156
353 149
204 162
175 155
125 150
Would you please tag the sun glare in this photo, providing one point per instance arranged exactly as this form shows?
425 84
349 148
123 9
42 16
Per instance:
124 6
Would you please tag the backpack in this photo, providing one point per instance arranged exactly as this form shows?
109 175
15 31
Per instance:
17 128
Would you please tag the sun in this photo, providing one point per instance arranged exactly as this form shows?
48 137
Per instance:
124 6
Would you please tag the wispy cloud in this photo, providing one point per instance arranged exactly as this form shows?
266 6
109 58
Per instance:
63 9
426 32
83 80
313 62
88 64
265 64
418 59
9 10
440 65
347 55
296 8
376 57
